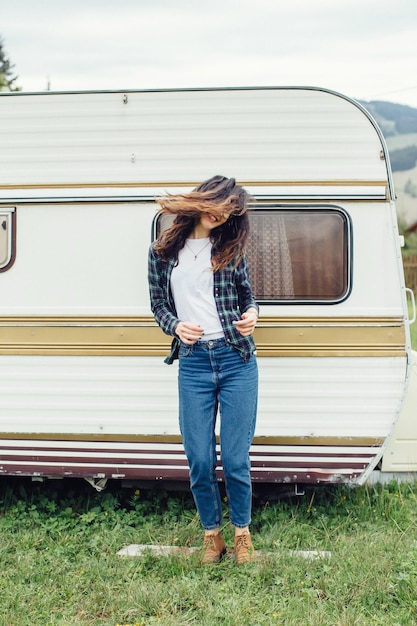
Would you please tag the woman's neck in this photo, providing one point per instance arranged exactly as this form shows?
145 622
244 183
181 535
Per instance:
199 232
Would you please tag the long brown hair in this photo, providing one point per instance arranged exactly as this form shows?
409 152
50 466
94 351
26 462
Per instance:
217 195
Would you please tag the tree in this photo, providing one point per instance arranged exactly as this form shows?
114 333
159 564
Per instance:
7 77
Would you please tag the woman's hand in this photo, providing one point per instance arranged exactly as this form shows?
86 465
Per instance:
247 324
188 332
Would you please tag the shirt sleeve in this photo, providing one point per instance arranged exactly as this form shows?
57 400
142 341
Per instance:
246 296
159 291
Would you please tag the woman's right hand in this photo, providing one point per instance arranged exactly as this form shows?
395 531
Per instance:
188 332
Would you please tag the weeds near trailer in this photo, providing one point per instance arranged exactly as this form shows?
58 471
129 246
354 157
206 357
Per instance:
413 332
60 567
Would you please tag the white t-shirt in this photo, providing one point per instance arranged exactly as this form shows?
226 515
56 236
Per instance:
192 288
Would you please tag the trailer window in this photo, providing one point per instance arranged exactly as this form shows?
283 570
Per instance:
296 254
299 254
7 228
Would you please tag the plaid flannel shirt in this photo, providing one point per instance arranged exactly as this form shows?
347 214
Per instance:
232 294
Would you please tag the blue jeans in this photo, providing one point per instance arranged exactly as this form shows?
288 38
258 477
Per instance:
212 375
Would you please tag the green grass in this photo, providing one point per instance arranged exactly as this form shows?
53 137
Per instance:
59 563
413 331
413 334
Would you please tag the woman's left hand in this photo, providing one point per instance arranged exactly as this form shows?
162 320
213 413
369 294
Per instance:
247 324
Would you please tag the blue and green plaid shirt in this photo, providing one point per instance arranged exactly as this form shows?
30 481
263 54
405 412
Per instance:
232 293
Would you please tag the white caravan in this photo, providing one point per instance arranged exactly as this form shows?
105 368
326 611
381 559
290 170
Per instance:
84 391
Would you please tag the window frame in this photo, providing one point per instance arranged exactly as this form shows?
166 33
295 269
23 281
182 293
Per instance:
291 208
10 213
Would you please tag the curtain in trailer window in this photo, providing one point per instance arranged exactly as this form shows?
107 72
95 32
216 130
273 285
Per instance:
299 255
269 256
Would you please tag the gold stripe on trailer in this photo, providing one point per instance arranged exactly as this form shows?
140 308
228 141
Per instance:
140 336
191 184
308 441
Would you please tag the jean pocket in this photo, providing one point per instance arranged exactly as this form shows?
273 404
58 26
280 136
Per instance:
184 350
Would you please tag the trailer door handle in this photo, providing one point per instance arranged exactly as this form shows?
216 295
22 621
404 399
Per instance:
413 305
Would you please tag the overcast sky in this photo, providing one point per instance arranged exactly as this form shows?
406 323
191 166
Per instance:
366 49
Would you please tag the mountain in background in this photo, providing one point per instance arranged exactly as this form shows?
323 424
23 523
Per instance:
398 123
394 119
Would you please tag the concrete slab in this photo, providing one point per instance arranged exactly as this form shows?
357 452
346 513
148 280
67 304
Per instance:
137 550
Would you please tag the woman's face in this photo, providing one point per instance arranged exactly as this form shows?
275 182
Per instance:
210 221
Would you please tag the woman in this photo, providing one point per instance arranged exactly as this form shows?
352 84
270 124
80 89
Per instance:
200 293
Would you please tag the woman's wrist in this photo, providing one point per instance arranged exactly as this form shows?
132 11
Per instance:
253 310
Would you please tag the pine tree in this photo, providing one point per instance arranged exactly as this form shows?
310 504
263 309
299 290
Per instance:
7 77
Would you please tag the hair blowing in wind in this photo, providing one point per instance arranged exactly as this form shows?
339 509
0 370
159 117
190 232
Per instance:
217 196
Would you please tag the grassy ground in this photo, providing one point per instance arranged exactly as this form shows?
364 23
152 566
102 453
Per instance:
59 543
413 332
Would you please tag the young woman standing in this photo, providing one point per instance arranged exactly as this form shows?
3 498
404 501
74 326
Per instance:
200 293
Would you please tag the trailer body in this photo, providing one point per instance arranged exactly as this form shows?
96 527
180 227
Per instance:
84 391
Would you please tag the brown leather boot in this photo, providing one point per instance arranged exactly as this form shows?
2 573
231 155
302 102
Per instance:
244 550
213 549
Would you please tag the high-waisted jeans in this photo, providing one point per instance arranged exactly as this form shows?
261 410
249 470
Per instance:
213 375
